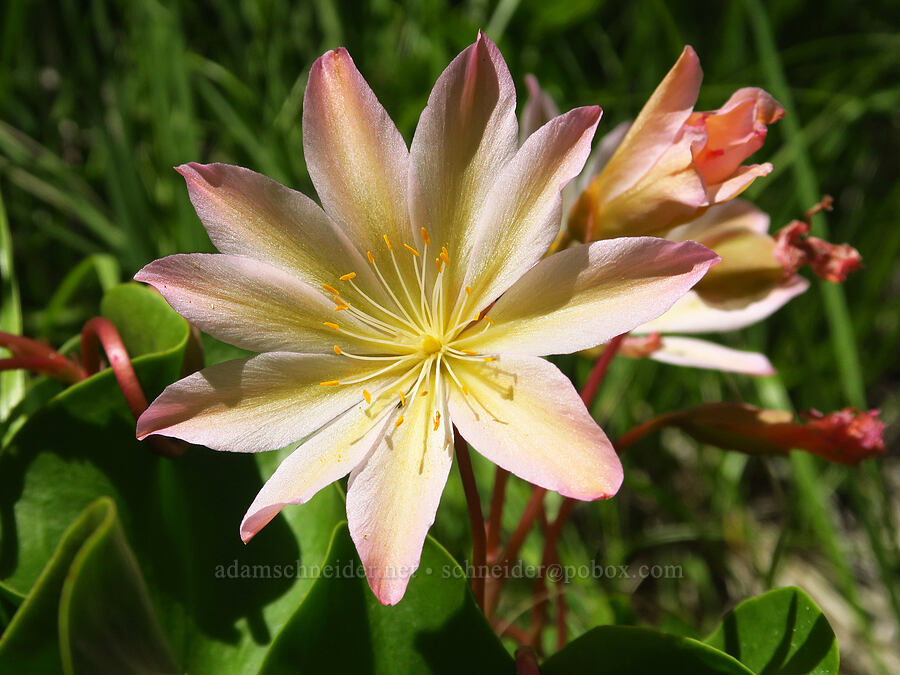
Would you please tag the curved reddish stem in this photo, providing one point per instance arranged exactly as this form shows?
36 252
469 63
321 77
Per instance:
99 331
598 372
57 367
498 496
476 517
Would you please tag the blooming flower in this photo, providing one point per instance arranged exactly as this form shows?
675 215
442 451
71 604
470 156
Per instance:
750 283
414 300
674 163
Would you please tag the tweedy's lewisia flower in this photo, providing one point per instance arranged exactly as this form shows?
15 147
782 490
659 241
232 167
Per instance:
375 311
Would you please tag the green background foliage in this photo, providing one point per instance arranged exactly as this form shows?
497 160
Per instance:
100 98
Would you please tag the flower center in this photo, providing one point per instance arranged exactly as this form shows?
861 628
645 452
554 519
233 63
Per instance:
431 344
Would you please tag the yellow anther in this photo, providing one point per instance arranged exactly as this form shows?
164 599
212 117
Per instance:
445 257
425 235
411 250
445 253
424 392
468 351
348 277
465 390
477 316
399 421
489 320
468 290
341 307
370 257
437 419
388 242
337 350
367 396
490 358
439 264
329 383
332 326
331 289
402 399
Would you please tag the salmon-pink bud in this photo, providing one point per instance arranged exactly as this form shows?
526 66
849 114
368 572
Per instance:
846 436
794 248
675 163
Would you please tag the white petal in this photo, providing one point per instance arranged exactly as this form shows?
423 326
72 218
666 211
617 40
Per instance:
588 294
466 135
681 351
265 402
357 159
329 455
691 314
525 416
393 496
523 210
250 304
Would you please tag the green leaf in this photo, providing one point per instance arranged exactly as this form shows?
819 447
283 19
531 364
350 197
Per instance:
12 382
341 627
181 516
627 650
90 611
781 632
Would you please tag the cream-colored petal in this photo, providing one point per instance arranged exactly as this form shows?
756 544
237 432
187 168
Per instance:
525 416
265 402
392 497
656 127
248 214
692 315
329 455
586 295
694 353
734 214
523 210
466 135
357 159
253 305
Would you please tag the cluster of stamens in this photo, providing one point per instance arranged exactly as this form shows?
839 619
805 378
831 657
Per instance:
414 330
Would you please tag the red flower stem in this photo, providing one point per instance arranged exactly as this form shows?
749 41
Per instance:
526 661
552 532
498 496
589 392
513 546
476 517
99 331
57 367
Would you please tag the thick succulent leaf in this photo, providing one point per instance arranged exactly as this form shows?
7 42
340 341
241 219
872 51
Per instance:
627 650
781 632
219 602
341 626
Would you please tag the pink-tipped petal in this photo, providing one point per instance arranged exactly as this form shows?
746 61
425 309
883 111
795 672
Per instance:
523 210
601 155
465 136
248 303
262 403
691 314
248 214
329 455
525 416
393 496
585 296
357 159
656 127
738 182
681 351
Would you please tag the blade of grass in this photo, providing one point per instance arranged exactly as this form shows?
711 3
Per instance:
12 383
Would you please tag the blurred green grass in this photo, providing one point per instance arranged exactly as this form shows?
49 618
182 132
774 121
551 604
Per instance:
100 98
